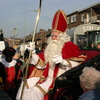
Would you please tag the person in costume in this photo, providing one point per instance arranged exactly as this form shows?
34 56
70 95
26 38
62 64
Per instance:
90 83
54 60
9 71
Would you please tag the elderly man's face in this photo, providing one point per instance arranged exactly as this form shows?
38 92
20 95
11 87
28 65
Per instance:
55 35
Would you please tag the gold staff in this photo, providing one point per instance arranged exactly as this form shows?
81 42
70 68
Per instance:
34 32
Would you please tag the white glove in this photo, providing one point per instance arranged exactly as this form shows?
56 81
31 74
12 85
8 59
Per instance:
57 59
31 46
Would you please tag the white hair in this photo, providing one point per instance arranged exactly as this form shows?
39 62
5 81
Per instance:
90 78
63 37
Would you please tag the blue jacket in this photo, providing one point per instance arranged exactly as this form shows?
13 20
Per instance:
91 95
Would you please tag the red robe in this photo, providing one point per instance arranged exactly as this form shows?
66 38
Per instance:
69 50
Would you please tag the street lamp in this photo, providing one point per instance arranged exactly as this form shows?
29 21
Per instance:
15 33
25 24
25 28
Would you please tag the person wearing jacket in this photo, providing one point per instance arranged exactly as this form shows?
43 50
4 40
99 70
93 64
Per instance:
90 83
9 71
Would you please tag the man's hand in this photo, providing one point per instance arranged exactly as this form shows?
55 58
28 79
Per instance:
57 59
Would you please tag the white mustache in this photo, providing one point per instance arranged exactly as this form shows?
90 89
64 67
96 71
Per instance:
54 41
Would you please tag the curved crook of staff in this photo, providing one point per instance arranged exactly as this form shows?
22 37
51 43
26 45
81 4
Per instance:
34 32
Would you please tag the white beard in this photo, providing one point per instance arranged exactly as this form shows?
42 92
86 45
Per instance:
53 48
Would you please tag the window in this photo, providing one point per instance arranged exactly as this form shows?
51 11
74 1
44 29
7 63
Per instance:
82 41
98 11
82 18
73 18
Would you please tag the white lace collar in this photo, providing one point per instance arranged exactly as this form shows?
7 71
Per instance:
7 64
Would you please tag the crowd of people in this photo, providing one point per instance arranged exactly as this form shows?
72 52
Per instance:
58 55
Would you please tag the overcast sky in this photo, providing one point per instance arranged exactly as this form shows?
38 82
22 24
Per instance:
12 14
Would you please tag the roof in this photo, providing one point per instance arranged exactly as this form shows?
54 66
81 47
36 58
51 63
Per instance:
98 3
90 6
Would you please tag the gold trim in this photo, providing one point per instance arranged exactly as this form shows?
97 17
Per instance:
83 56
77 59
42 78
41 89
37 62
57 31
41 63
69 62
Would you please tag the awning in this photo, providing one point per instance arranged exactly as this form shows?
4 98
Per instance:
81 29
71 31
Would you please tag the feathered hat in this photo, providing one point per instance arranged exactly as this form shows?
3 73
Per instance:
59 22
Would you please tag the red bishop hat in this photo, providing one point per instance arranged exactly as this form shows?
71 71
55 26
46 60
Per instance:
59 21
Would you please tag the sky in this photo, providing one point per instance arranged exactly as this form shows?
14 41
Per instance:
20 14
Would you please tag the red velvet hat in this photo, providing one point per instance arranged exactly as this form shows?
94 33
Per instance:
59 21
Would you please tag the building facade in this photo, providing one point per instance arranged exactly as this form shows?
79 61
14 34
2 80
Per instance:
88 15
